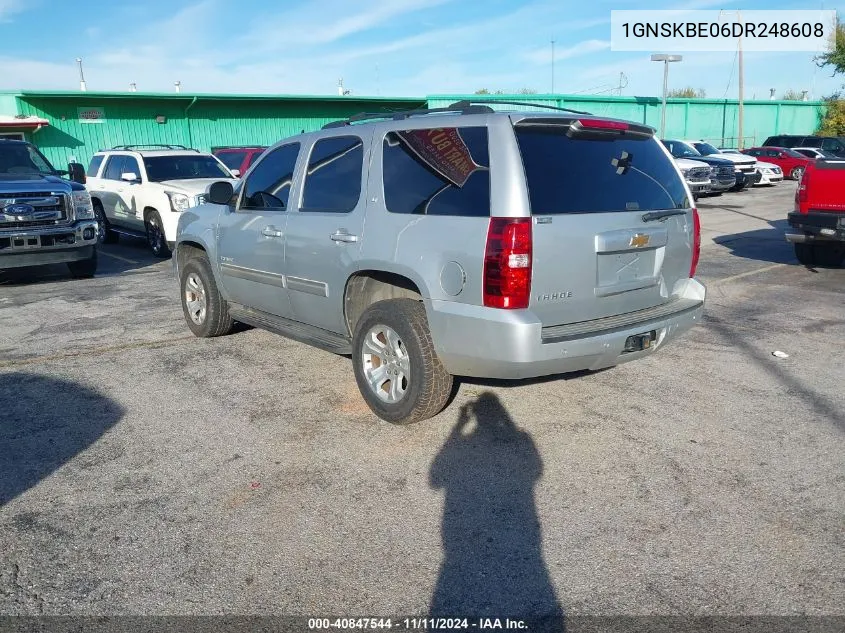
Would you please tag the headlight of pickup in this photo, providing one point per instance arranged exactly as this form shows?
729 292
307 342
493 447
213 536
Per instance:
179 202
82 207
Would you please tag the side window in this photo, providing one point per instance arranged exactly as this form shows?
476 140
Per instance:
114 167
268 186
333 181
232 160
130 164
772 152
443 171
94 166
832 145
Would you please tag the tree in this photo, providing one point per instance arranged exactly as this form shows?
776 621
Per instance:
687 93
836 56
792 95
527 91
482 91
833 120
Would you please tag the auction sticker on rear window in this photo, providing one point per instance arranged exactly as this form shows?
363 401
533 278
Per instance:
723 30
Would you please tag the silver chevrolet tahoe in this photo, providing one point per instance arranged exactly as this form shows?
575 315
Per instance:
457 241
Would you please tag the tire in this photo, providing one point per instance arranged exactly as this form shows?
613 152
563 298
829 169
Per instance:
206 312
105 234
155 235
395 334
825 254
85 268
796 173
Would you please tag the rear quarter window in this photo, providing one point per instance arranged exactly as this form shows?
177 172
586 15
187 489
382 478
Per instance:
571 175
441 171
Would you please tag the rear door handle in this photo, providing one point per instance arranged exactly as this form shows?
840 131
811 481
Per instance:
271 231
342 235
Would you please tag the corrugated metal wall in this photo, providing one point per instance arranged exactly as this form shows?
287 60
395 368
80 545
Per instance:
214 120
202 124
714 120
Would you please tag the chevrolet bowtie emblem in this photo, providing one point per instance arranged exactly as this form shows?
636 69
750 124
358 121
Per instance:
638 240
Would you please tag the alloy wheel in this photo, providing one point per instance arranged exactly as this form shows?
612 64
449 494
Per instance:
195 298
386 364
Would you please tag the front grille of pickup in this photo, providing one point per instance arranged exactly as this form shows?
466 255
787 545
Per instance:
725 171
699 173
40 209
746 168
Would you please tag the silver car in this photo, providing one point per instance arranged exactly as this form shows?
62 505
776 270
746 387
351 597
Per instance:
451 242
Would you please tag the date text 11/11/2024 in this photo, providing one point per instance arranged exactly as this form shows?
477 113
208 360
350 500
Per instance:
417 624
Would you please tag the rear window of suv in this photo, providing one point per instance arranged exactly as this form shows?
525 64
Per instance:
571 175
440 171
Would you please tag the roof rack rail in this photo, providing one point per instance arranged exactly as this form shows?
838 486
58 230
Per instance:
404 114
246 146
150 145
466 103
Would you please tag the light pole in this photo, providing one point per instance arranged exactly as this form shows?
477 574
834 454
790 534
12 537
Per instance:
665 59
82 85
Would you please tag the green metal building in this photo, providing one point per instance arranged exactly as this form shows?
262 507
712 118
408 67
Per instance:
67 125
74 125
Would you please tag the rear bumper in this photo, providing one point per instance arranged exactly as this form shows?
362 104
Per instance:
815 227
55 245
490 343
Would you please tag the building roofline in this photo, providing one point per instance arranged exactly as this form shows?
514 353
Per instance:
606 98
211 96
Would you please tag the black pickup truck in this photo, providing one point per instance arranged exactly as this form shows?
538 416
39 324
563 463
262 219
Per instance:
45 218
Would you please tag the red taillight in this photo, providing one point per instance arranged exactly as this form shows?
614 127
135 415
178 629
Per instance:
601 124
801 195
507 263
696 242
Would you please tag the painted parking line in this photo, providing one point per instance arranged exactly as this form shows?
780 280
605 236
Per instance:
118 257
756 271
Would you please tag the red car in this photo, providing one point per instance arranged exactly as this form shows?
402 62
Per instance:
791 162
238 159
817 225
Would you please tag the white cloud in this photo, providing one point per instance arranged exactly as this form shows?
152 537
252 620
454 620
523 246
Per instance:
543 55
11 7
328 21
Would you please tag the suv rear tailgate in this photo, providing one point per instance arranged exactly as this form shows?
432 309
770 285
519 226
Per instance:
596 255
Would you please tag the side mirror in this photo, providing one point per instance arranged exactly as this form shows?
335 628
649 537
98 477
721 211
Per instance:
129 176
220 192
236 172
76 172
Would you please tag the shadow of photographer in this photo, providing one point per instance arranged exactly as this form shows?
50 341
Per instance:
493 561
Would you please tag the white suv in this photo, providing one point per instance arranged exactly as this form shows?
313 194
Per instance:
141 190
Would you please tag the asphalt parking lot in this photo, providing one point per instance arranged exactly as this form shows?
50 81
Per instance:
143 471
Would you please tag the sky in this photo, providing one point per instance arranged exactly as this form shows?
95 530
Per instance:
378 48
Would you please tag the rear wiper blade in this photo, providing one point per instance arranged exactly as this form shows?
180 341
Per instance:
662 215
